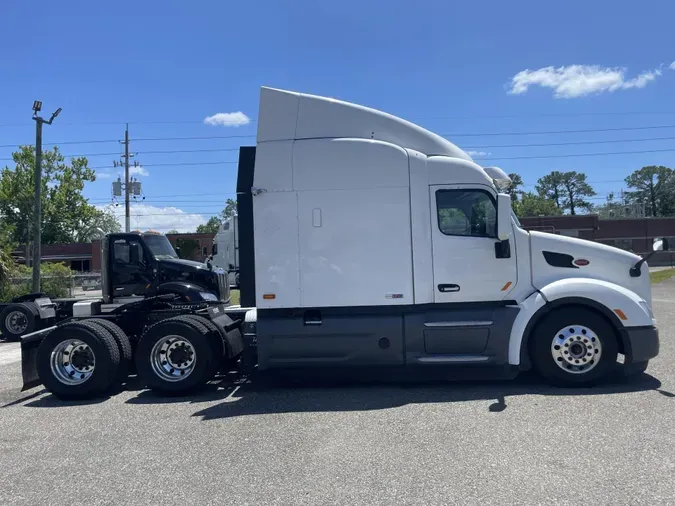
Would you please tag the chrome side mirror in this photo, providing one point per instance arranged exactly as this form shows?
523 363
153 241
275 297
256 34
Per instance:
660 244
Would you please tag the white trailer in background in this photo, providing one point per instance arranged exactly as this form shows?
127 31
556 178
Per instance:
226 250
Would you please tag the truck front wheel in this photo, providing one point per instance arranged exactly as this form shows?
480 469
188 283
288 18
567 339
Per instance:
175 355
574 347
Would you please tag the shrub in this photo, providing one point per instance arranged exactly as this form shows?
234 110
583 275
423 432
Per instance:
55 281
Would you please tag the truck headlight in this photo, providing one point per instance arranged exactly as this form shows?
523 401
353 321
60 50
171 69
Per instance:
208 296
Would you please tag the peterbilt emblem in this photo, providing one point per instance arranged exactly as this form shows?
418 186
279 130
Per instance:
581 262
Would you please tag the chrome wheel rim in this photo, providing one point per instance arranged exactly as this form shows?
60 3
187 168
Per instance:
16 322
73 362
576 349
173 358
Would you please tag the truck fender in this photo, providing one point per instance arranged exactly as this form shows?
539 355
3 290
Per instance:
188 290
600 295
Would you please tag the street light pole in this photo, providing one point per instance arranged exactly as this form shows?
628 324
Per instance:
37 228
37 217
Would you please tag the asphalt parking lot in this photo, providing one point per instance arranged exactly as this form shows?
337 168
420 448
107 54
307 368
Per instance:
509 442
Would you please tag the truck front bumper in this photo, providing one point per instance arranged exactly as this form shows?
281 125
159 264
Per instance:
640 343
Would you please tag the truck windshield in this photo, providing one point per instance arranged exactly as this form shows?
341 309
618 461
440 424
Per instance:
160 246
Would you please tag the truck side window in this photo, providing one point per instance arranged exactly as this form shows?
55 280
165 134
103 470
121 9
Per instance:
466 213
121 251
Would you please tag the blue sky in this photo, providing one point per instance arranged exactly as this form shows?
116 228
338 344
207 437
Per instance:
454 67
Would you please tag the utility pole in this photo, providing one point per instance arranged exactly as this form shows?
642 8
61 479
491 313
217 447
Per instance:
37 217
127 214
130 185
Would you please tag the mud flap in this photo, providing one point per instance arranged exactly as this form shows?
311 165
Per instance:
229 329
29 350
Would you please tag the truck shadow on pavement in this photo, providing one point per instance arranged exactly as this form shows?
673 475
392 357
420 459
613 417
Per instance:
240 396
305 396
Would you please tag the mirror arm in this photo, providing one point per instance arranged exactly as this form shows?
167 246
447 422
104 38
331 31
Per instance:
636 270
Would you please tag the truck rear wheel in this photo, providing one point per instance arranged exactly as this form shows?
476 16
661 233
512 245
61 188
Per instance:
123 346
175 356
78 360
574 347
18 319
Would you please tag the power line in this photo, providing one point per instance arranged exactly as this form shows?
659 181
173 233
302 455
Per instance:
492 146
195 194
547 115
551 132
450 135
176 164
569 155
208 137
472 116
101 141
572 143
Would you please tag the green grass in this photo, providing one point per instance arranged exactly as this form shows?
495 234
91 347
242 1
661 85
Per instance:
659 276
234 296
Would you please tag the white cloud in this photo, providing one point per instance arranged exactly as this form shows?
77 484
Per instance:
138 170
162 219
672 66
579 80
478 153
103 175
234 119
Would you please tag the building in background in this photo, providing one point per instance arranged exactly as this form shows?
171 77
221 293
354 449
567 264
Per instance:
630 234
86 257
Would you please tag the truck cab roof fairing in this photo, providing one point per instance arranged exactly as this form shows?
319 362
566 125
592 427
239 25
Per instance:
286 115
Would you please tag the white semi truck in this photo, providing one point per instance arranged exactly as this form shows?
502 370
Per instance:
225 251
369 242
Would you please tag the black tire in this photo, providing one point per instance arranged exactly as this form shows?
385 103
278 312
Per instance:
216 341
123 346
236 281
106 354
28 311
201 363
591 329
636 368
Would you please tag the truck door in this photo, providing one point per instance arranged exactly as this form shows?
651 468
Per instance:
131 268
467 264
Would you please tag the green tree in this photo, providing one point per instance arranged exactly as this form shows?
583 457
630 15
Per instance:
210 227
65 210
531 204
654 187
568 190
101 223
576 192
612 208
7 263
172 231
515 188
550 187
230 209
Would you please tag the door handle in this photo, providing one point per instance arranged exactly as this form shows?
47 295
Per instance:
448 288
